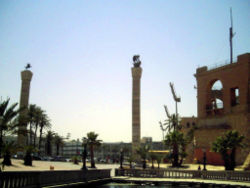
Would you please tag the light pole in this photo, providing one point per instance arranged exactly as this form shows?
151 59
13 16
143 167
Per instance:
84 154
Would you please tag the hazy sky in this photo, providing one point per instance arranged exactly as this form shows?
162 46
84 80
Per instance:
81 56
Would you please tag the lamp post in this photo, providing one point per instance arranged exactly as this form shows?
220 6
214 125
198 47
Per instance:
121 158
204 159
84 154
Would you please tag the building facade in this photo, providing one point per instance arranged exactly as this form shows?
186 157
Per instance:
223 99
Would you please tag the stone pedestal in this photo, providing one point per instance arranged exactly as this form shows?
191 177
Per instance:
26 76
136 120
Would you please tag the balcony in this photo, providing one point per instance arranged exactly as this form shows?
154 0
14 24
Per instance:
214 109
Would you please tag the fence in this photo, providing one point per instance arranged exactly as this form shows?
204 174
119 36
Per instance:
32 179
183 174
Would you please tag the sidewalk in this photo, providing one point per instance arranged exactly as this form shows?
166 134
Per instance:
122 179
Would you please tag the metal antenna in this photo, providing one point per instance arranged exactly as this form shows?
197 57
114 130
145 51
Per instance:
166 110
177 99
231 35
162 129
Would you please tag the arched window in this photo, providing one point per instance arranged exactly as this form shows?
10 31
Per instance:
215 104
217 95
217 85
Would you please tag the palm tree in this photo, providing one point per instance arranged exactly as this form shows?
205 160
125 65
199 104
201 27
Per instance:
28 155
159 159
152 156
226 145
31 120
143 152
44 124
8 149
92 142
49 138
131 159
7 116
172 123
59 142
37 120
176 141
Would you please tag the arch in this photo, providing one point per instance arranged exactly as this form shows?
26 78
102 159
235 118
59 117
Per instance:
215 102
215 84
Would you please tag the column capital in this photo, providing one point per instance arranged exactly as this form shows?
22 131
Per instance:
26 75
136 72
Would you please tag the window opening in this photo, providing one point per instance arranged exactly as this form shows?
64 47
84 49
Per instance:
235 96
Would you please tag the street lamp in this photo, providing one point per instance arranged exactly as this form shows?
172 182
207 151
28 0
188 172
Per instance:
84 154
121 158
204 159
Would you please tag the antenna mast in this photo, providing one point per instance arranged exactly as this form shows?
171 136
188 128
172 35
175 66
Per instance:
177 99
231 35
166 110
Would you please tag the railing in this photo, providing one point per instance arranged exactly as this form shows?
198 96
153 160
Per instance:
221 64
46 178
185 174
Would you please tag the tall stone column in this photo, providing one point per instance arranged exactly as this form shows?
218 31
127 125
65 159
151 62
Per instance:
136 119
26 76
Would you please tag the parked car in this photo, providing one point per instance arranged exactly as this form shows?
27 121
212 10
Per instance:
59 158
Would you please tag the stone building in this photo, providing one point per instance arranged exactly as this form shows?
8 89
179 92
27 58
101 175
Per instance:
223 99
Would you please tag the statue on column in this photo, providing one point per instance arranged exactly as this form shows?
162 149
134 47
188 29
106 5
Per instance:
136 59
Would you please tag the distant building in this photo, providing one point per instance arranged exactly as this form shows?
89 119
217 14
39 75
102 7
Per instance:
72 148
146 140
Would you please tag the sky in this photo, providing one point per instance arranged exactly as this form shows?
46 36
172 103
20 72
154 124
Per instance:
81 57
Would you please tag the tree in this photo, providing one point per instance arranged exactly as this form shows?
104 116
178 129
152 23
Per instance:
92 142
28 154
143 152
172 123
37 119
159 159
44 124
226 145
8 149
131 159
152 156
49 138
31 120
176 141
7 116
59 143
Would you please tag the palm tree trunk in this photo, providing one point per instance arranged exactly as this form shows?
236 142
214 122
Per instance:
175 155
92 156
40 138
1 142
35 135
232 159
7 159
144 164
30 142
57 149
152 164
